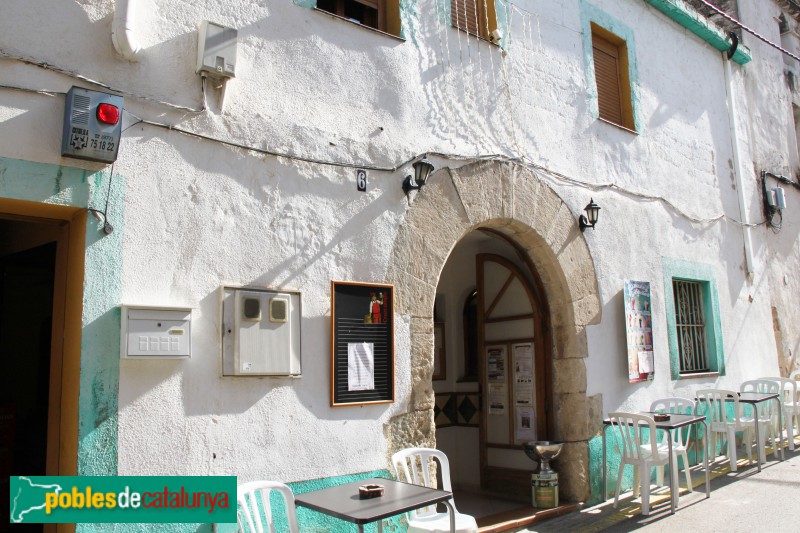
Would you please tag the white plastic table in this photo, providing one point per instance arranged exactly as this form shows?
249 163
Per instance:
343 502
675 421
755 398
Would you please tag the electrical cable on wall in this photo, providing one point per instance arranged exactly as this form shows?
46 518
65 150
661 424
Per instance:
102 216
749 30
513 15
774 209
523 160
47 66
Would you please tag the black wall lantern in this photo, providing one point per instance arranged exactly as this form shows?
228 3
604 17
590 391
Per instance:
592 214
422 169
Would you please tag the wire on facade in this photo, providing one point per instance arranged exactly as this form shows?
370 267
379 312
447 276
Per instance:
749 30
47 66
520 160
108 229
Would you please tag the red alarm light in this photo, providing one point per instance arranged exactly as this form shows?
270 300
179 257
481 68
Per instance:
108 114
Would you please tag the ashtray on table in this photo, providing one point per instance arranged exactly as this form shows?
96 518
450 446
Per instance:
372 490
660 417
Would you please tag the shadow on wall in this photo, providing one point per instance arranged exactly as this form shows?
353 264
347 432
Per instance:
97 432
204 392
612 358
84 33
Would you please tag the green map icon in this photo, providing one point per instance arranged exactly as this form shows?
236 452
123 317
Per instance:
28 499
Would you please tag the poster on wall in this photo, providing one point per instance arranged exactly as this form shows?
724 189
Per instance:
360 366
639 330
525 424
523 373
496 379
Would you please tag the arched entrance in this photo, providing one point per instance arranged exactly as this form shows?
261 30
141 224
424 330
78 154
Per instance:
513 202
492 365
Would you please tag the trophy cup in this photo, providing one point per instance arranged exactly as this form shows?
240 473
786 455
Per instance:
544 483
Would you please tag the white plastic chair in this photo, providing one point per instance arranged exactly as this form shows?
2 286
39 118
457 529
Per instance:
722 420
681 406
765 411
416 465
255 510
795 376
637 435
790 405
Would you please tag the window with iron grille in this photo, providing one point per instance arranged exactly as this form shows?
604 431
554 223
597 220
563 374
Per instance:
694 326
690 325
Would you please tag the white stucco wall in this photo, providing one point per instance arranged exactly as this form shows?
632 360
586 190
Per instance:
199 214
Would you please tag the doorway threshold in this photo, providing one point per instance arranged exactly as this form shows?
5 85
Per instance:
515 519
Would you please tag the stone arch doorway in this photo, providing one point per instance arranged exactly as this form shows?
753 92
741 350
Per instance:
513 202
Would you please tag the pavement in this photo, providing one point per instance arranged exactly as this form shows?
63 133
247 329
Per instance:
746 501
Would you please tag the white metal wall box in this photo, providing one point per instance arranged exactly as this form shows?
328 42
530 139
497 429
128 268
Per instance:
216 50
156 332
261 332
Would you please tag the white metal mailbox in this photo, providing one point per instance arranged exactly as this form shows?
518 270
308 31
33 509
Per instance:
156 332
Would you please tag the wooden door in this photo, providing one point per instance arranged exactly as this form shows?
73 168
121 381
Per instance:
512 373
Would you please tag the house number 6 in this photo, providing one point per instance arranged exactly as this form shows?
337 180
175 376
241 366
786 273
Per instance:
361 180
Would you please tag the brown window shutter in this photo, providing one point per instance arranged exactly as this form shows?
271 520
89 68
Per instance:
468 15
606 74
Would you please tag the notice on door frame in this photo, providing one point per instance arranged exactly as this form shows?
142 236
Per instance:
496 379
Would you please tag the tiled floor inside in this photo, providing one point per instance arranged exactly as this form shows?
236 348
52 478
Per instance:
481 505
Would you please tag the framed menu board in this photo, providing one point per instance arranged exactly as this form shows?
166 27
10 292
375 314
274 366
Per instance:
362 345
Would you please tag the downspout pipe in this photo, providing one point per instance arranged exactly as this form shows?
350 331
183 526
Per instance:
122 30
737 167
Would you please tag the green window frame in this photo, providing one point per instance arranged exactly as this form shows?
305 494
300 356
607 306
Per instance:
707 301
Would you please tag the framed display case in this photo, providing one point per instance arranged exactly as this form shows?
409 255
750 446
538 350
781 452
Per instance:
362 344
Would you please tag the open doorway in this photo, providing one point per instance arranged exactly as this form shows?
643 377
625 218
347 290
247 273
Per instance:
41 274
495 393
27 280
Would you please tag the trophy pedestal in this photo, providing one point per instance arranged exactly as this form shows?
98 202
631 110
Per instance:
544 490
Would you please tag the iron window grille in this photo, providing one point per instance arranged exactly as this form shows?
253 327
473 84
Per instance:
690 323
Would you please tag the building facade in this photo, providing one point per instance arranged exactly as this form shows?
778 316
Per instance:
282 168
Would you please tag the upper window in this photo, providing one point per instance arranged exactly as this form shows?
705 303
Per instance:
383 15
610 55
474 16
470 323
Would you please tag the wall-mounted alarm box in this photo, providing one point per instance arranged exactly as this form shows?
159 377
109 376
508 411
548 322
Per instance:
260 332
92 125
216 50
156 332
